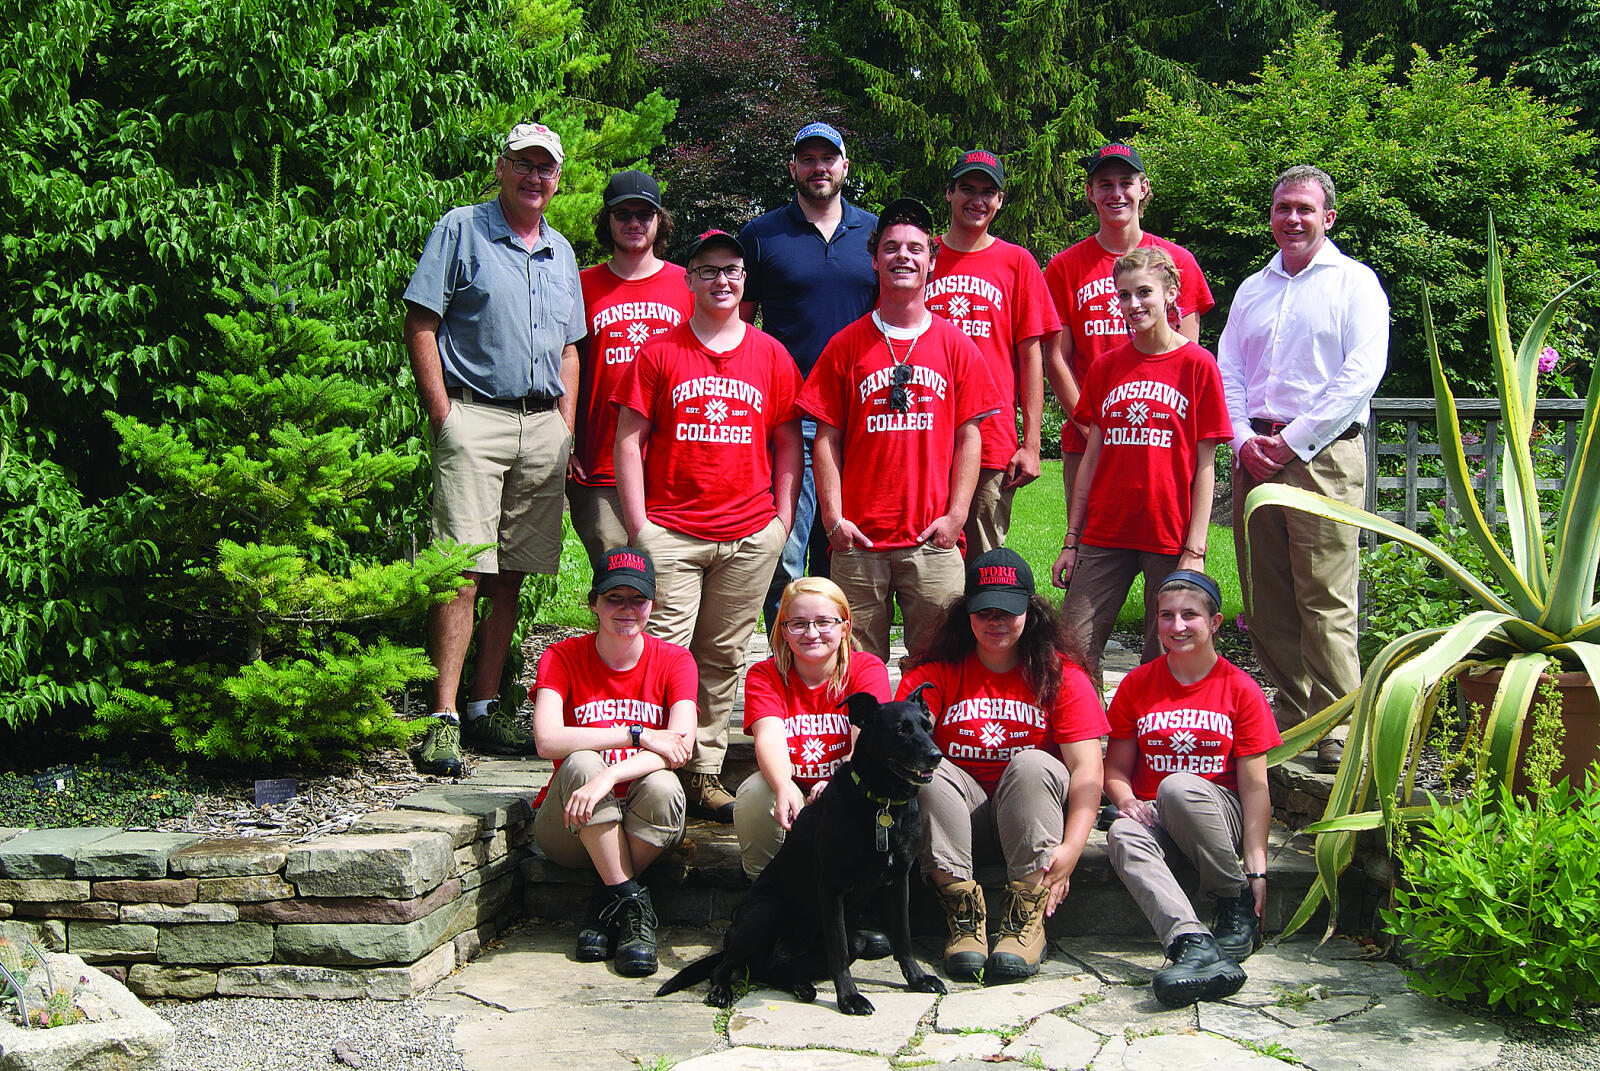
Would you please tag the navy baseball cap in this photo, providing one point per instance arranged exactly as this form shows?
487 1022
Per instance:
999 580
626 567
820 130
713 238
632 186
1112 153
981 160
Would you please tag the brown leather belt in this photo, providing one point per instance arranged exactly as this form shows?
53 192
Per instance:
529 403
1272 427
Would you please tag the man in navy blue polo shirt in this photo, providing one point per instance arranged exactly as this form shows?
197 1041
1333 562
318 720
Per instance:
809 272
492 314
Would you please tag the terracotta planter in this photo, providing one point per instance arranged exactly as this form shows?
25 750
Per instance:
1580 713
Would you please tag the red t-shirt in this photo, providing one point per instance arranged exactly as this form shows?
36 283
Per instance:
819 731
623 315
1079 280
1201 728
997 296
1153 412
981 719
593 695
708 457
897 465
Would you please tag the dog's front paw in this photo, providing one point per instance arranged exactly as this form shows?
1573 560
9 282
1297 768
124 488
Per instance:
805 992
928 983
719 996
855 1004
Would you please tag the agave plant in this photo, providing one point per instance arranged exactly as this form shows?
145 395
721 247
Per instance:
1548 617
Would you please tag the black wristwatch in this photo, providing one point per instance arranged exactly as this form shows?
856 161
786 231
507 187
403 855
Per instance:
634 732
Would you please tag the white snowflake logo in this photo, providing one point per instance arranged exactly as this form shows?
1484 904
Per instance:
716 410
1138 413
638 332
960 307
813 751
992 734
1183 742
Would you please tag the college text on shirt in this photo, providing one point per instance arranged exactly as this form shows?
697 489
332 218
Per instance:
1196 741
992 722
883 379
966 295
1109 322
826 738
1137 429
621 346
608 712
720 390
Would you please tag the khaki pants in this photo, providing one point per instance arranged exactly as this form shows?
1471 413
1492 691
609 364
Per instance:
497 478
1101 580
653 810
963 827
989 519
1302 578
923 579
1198 818
760 835
597 518
708 599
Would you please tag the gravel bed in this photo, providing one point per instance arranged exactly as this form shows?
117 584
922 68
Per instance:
255 1034
1535 1047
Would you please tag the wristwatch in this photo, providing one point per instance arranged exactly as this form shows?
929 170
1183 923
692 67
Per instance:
634 732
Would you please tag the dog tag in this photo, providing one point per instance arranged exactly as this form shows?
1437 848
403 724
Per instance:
885 823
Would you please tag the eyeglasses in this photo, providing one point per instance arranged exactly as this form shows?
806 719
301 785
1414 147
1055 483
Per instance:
796 627
709 272
899 397
628 215
528 167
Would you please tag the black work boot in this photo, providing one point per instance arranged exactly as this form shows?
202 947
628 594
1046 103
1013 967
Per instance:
1236 927
1199 971
596 934
635 918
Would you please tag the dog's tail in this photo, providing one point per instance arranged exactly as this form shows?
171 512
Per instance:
693 974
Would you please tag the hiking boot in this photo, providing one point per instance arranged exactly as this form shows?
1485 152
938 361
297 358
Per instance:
440 752
1236 927
1329 755
1199 971
1020 945
870 944
498 734
968 945
707 798
596 935
634 917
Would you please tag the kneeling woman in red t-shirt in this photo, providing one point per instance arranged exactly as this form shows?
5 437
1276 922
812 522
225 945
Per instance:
1187 769
791 710
616 710
1007 699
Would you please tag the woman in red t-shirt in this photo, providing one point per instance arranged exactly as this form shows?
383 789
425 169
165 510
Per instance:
1141 501
1187 770
1020 726
791 709
616 711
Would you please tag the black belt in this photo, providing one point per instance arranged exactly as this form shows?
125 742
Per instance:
528 403
1272 427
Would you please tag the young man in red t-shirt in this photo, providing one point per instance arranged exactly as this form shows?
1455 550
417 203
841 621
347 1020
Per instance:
1079 281
994 291
708 462
627 300
898 396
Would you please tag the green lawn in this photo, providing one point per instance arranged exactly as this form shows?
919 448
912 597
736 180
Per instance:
1038 521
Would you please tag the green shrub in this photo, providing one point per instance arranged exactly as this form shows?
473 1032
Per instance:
101 794
1404 591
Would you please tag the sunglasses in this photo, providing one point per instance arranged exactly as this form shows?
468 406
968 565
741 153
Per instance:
628 215
899 397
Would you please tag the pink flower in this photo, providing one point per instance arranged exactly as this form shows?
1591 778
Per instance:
1241 623
1548 358
1469 438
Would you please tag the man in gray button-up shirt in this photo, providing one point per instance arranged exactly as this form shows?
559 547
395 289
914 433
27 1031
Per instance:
492 314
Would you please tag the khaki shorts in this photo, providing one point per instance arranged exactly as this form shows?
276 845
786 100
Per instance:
597 518
498 477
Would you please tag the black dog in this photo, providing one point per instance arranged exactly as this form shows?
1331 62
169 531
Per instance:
858 840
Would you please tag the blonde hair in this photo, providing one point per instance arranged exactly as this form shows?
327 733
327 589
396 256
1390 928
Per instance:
784 657
1152 259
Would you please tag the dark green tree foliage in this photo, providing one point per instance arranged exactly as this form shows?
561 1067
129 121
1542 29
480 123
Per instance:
264 481
1550 46
1419 165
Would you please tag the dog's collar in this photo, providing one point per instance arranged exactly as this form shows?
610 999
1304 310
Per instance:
874 797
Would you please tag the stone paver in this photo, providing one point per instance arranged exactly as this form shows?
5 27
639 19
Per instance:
951 1048
1194 1052
1056 1043
779 1021
998 1007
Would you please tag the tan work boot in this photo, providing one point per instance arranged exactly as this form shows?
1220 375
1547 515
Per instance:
963 907
1020 947
706 796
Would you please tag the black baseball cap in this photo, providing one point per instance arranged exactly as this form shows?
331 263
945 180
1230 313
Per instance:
980 160
1199 580
999 580
905 210
626 567
713 238
632 186
1112 153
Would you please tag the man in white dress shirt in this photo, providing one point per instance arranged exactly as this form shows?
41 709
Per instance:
1306 344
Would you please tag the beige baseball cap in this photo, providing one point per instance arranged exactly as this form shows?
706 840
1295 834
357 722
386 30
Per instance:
535 136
